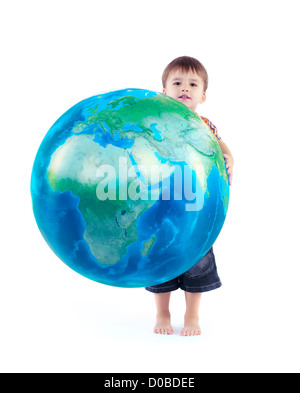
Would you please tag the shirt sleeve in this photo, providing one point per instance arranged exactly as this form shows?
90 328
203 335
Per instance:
212 127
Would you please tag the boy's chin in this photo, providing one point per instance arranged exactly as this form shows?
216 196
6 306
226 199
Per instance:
189 105
184 101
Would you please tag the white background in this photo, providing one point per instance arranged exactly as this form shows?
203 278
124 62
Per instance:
56 53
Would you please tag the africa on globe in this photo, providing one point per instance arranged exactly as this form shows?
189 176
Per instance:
129 188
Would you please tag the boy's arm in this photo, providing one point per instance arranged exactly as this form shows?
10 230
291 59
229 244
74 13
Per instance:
229 161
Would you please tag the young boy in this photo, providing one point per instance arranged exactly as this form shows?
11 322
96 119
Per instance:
186 80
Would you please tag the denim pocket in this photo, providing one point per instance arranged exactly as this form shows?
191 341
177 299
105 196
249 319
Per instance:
204 266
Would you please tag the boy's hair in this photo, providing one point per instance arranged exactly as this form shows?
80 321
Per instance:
185 63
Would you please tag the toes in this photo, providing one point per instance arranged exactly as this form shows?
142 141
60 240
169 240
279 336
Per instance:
158 330
192 332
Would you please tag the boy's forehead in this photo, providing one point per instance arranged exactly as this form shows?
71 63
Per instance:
179 74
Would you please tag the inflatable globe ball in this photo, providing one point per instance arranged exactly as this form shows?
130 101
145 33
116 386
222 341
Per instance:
129 188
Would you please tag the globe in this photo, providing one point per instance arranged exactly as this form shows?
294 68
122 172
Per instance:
129 188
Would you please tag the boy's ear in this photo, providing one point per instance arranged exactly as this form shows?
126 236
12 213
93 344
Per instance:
203 98
164 91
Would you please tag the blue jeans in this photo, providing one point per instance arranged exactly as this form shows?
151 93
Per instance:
202 277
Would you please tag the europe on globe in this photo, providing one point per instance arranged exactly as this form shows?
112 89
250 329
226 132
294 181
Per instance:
129 188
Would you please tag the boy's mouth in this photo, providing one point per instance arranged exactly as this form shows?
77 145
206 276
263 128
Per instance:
184 97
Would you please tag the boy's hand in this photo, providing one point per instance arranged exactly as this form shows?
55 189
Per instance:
229 166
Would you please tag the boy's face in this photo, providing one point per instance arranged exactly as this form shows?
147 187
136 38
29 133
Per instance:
186 87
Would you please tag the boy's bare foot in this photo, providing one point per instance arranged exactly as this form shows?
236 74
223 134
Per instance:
163 324
191 327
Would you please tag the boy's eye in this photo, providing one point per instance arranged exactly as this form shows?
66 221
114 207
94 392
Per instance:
193 85
176 83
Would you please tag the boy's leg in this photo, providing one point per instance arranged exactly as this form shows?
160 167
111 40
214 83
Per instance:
163 317
191 317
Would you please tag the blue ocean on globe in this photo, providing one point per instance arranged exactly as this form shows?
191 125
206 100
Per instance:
129 188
